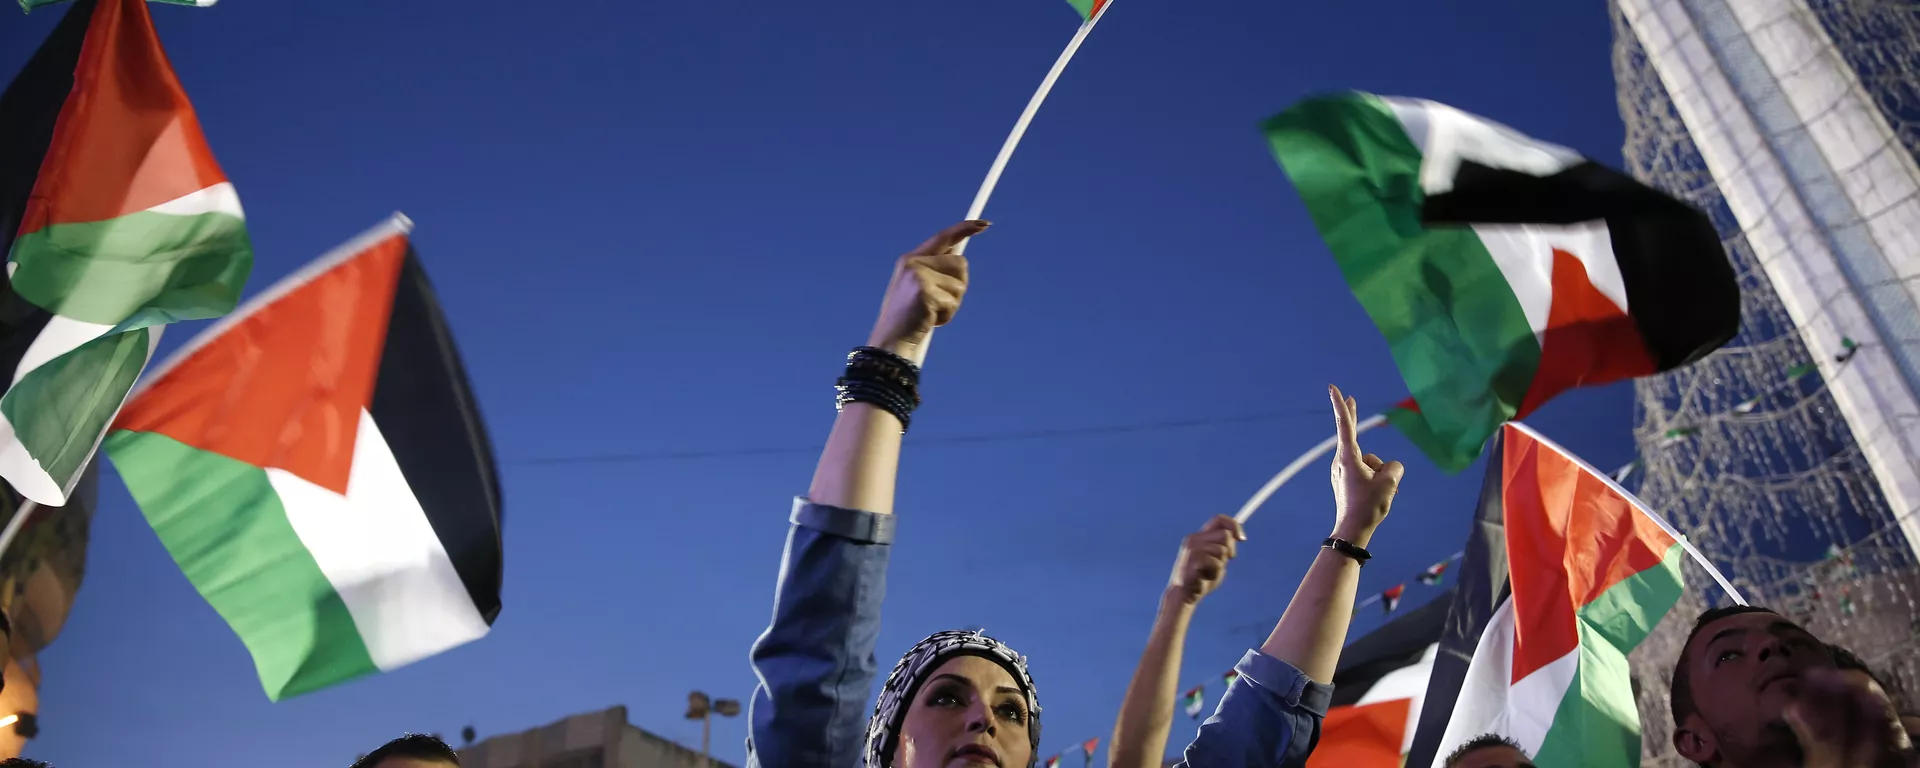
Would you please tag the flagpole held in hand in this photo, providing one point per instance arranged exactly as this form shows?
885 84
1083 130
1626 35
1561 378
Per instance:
1019 131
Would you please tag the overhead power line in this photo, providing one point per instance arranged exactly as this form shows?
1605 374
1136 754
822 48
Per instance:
916 441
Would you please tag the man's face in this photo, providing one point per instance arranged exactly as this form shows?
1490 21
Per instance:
1499 756
1743 671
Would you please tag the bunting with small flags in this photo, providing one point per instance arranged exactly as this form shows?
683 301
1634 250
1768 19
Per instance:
1390 599
1194 700
1434 573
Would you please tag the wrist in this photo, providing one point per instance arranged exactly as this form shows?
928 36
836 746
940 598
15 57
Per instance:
1176 601
1357 534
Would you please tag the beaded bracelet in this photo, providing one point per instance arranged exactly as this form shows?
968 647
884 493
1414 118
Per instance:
882 379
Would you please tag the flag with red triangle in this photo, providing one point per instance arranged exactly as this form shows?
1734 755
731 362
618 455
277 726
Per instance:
1501 269
332 558
1390 599
1434 573
116 221
1193 701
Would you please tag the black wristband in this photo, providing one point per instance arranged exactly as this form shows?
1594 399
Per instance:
881 379
1348 548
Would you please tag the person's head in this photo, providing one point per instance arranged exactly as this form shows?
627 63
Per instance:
1489 751
1736 674
414 750
956 695
21 762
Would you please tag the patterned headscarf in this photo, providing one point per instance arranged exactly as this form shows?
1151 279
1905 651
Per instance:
883 732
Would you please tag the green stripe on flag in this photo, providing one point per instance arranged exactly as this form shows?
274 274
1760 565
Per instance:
1085 7
60 409
1598 722
224 524
1456 330
185 267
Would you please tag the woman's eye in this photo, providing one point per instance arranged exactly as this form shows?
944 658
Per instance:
1013 713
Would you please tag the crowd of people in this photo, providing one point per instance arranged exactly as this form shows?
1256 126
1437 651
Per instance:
1751 689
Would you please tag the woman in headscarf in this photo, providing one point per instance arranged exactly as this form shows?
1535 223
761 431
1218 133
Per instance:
957 696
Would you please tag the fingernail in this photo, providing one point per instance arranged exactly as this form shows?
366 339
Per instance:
983 222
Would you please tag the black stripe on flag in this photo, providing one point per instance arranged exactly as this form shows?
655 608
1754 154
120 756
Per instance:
1681 290
426 411
1395 645
1480 587
29 110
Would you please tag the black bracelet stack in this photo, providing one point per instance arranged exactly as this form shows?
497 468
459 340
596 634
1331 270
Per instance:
881 379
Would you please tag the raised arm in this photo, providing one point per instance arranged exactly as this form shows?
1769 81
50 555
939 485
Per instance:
1146 716
1312 631
815 660
1270 715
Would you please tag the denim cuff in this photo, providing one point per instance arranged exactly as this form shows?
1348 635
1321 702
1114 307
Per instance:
1282 679
859 526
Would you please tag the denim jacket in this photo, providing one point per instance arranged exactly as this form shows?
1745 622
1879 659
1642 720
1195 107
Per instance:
1269 716
815 661
816 666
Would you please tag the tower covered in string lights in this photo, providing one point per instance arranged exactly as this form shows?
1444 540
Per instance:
1792 456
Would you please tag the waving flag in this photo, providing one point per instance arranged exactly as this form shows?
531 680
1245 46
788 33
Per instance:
332 558
1088 8
1565 575
1195 700
1501 269
1434 573
1390 599
1377 692
116 220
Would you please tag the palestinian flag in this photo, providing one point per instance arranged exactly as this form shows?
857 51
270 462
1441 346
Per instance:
1230 676
1377 692
1390 599
1088 8
1434 573
116 221
1053 762
1565 574
1502 270
1193 701
317 466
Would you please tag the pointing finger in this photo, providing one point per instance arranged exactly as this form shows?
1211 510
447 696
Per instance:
950 237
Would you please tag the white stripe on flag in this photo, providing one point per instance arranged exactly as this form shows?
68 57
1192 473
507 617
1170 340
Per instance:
1488 703
381 554
1448 136
1409 682
1525 257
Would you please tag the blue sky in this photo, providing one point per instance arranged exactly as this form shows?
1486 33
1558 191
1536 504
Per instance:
656 227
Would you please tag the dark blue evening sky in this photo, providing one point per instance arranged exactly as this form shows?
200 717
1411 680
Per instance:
656 227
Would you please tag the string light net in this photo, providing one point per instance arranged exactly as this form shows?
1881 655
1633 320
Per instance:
1745 451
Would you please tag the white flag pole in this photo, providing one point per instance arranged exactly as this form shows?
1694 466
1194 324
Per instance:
26 510
1266 491
1019 131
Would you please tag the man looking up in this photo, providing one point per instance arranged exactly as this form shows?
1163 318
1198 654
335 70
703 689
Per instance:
1754 690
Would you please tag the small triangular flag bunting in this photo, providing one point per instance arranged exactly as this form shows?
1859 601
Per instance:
1390 599
1193 701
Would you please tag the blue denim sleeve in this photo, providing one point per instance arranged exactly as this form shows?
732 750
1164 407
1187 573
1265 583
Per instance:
815 661
1270 717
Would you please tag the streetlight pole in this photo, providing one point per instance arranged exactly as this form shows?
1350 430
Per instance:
700 708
